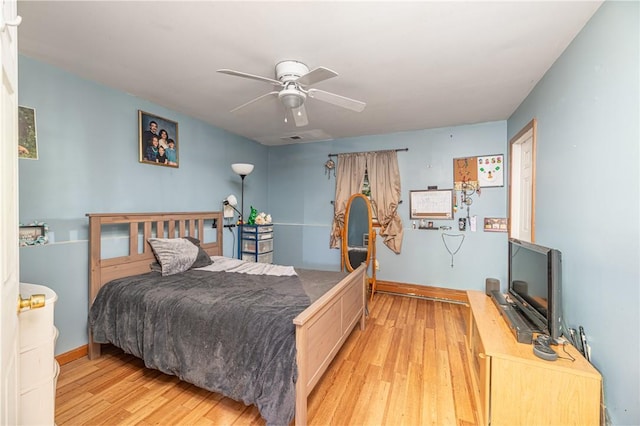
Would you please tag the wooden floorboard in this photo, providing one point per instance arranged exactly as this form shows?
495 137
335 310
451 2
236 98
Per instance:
408 367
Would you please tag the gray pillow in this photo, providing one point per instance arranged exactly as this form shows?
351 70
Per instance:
203 258
174 255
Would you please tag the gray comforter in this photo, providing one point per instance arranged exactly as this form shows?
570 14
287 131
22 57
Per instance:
226 332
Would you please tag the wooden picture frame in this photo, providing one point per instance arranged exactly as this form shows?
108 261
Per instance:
431 204
164 152
495 224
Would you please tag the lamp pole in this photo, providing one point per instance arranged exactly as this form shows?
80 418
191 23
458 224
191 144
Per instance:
242 201
242 170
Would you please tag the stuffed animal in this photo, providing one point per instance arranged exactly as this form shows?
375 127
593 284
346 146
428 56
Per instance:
252 216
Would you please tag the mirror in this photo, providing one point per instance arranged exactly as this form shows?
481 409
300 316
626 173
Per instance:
356 241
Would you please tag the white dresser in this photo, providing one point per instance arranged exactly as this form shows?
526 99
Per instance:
38 367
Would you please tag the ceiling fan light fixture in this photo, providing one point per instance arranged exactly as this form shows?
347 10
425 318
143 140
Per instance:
292 98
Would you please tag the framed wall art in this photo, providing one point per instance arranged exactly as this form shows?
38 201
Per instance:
495 224
431 204
157 140
27 137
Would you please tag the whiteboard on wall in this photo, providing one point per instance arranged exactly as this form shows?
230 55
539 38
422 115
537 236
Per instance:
431 204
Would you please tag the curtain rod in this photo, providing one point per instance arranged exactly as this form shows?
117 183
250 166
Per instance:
362 152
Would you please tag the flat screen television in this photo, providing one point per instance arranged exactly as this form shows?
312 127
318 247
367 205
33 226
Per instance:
535 285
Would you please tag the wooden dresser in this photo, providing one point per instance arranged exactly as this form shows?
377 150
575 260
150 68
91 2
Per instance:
514 387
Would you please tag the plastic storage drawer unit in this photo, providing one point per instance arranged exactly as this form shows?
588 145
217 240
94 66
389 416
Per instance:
263 245
256 243
261 258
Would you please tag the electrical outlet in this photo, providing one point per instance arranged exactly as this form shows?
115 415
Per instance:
376 264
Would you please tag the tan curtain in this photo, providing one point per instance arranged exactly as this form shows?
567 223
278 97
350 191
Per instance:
384 181
349 180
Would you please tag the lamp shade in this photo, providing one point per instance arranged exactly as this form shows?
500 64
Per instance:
242 169
231 200
291 100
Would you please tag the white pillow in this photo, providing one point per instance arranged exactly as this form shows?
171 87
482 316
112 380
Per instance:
174 255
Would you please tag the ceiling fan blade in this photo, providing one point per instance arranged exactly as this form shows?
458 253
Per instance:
316 75
258 99
337 100
300 116
251 76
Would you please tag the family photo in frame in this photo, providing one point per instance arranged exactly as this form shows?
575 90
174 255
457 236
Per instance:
157 140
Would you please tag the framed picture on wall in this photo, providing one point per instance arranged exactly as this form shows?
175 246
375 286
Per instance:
157 140
495 224
27 137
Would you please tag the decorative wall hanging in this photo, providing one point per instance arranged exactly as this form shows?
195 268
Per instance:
157 140
328 167
27 137
451 251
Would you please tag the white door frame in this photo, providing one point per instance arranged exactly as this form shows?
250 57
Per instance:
522 183
9 252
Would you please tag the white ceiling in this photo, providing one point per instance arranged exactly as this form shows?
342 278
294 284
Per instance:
417 65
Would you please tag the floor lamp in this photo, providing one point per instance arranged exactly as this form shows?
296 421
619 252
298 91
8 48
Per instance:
242 169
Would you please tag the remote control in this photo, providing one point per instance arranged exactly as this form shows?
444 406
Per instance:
544 352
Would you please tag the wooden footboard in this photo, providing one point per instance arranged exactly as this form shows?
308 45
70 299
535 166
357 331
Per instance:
322 328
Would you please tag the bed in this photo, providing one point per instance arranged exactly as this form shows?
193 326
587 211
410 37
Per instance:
320 326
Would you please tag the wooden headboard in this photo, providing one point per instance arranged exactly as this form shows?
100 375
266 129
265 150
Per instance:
162 225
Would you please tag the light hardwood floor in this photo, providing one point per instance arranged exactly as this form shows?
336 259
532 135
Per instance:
409 367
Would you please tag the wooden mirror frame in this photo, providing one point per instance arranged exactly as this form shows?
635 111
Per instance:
345 243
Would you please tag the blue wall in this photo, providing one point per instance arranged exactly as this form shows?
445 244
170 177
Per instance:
88 163
587 188
303 212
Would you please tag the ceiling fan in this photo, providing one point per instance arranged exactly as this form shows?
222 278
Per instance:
293 79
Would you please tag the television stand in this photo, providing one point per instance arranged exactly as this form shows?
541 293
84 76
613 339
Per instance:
521 328
514 387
